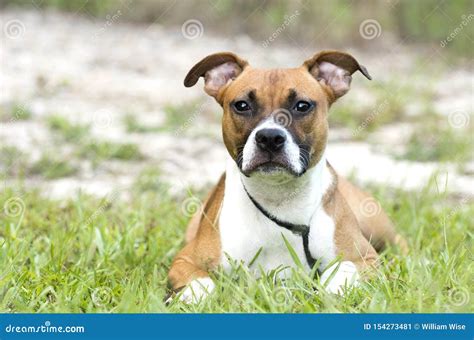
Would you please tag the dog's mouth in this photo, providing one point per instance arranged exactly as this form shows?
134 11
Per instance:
290 161
269 168
268 164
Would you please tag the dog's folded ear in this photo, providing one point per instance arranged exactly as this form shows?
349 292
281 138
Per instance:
217 69
335 69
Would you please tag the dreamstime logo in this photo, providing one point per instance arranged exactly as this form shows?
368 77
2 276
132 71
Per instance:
192 29
453 212
109 21
102 118
101 296
190 206
458 119
362 126
370 29
187 124
19 112
14 29
113 196
287 22
369 207
14 207
280 296
282 117
291 196
459 296
392 3
465 21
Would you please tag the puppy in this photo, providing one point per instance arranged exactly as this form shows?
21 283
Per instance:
279 188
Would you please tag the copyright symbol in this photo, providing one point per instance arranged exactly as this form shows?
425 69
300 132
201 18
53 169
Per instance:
417 326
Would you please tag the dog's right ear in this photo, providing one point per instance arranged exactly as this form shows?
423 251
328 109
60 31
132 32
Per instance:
334 69
218 70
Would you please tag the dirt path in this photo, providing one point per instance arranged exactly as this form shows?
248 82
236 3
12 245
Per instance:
97 75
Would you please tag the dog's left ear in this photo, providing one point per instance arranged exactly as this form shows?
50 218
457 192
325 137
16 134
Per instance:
335 69
218 70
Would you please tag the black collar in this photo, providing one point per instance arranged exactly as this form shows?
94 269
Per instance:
298 229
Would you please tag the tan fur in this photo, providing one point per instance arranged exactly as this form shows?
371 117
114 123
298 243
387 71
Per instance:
202 253
193 225
273 89
377 228
356 235
350 242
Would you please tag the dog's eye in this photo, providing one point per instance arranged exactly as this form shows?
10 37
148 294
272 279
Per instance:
303 106
241 106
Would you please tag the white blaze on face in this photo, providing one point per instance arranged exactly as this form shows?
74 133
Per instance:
290 151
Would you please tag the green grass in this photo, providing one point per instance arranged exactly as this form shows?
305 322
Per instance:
51 168
92 255
181 117
101 150
178 118
13 161
149 180
427 22
14 164
70 132
16 112
97 7
89 148
133 125
184 118
439 142
388 108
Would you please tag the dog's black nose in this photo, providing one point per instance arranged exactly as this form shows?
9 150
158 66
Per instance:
270 139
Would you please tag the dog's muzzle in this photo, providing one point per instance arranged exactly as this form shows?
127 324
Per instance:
270 149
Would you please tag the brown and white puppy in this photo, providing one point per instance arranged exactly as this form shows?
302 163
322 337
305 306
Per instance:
278 184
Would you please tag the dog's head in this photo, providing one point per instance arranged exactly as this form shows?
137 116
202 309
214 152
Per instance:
275 121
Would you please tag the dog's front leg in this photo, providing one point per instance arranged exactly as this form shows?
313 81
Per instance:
357 264
358 256
189 273
190 283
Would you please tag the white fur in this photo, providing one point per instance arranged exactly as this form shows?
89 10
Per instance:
290 150
346 276
197 290
244 229
321 238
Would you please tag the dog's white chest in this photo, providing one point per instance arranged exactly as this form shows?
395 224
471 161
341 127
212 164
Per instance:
245 232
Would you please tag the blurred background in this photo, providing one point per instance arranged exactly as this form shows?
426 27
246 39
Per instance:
92 96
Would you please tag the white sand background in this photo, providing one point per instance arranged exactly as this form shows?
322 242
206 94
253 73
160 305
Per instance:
72 66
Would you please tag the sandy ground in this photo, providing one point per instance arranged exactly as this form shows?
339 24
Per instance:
96 74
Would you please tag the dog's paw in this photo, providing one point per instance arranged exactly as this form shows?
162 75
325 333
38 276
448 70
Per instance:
346 276
196 291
